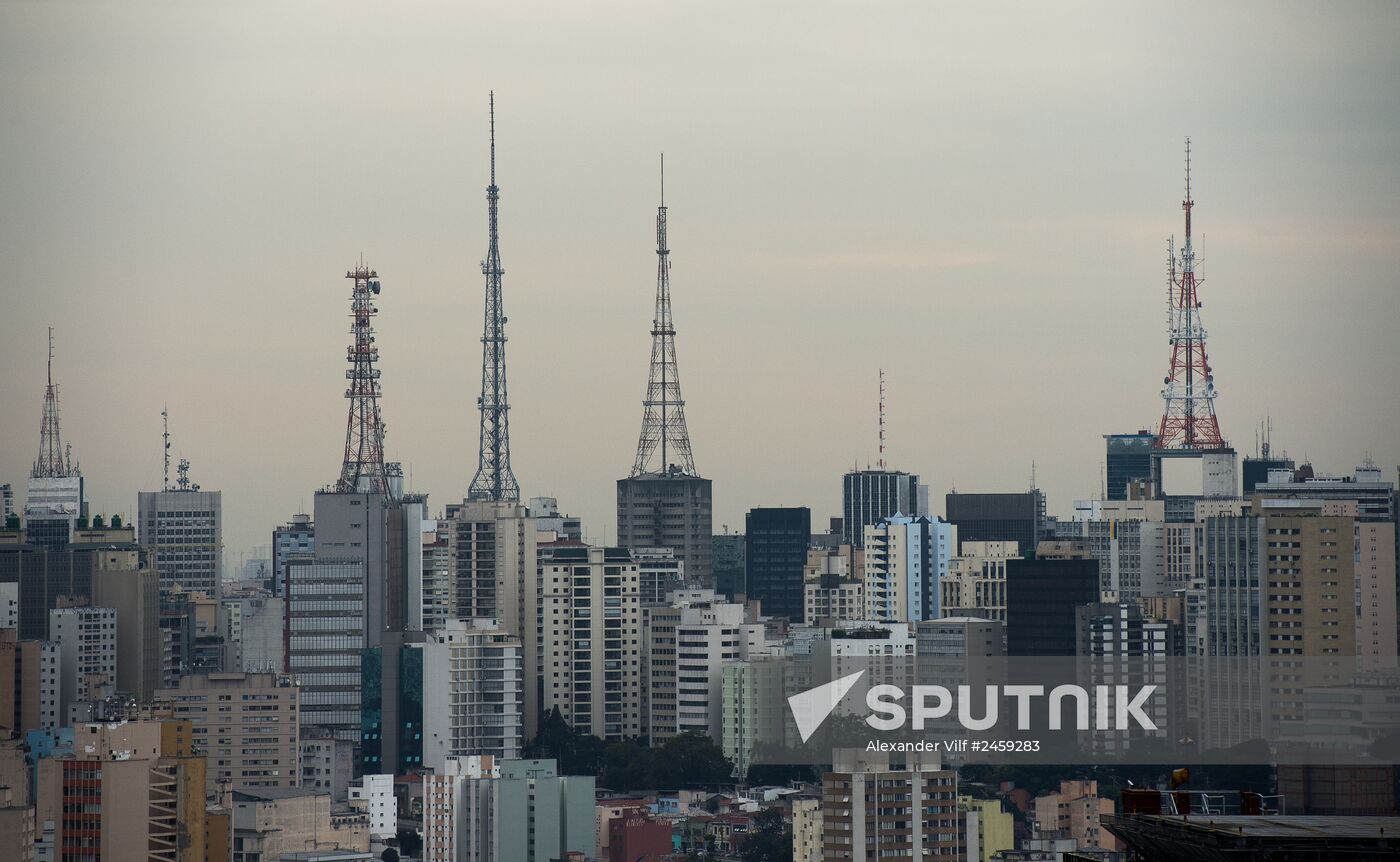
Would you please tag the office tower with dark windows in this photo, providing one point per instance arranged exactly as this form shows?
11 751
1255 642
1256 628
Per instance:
1042 597
181 530
775 554
1018 517
1128 459
870 496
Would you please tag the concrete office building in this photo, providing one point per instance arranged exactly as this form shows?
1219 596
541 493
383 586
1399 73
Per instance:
870 496
253 625
591 640
905 561
55 507
181 530
473 692
775 555
295 540
832 599
272 823
960 637
87 654
29 684
866 812
134 594
548 519
976 581
670 509
753 708
327 764
659 572
247 724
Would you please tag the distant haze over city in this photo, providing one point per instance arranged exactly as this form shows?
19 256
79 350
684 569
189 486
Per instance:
976 201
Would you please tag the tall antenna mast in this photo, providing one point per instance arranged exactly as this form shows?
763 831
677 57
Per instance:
880 463
1188 419
54 460
165 437
362 470
663 409
494 479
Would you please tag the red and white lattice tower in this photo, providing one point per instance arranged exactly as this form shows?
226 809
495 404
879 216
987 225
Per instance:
1188 421
363 468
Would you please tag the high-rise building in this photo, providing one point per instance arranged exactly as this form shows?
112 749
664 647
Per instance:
659 573
1075 812
479 809
327 764
374 795
1128 459
689 643
51 578
960 637
134 594
326 641
548 519
806 830
246 723
1018 517
668 510
976 581
129 790
591 640
494 559
729 565
1041 598
775 554
906 559
29 685
181 529
870 496
753 708
253 623
1128 539
473 692
831 599
867 813
295 540
87 654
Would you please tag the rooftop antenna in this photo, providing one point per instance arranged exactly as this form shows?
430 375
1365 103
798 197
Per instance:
165 436
882 420
1032 488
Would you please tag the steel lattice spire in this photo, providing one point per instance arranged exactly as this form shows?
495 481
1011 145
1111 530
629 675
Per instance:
1188 421
663 414
53 461
363 468
494 479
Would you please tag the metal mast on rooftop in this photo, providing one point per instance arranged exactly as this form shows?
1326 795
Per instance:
54 461
363 467
1188 420
663 414
494 479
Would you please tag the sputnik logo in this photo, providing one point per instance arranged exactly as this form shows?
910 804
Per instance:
810 708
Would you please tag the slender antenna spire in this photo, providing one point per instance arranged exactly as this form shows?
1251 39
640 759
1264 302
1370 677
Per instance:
494 478
663 409
881 461
165 436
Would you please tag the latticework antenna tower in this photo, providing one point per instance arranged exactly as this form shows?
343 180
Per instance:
363 467
664 436
1188 421
494 479
54 460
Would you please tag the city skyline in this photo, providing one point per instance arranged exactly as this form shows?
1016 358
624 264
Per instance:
802 263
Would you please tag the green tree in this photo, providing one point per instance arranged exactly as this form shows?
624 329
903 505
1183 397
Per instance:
389 855
769 839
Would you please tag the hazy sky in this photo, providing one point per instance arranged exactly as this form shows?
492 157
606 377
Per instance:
975 197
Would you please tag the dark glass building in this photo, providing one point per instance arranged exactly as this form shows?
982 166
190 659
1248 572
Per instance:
391 705
1016 518
1256 471
870 496
775 552
729 564
1042 598
1129 458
